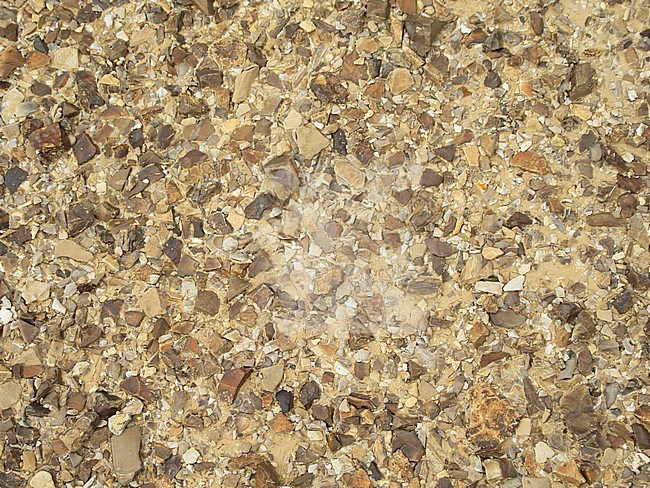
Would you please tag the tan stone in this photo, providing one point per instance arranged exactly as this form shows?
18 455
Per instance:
400 80
310 141
349 173
530 161
72 250
151 303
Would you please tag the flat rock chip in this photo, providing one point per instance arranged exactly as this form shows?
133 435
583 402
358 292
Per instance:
42 479
438 247
310 141
446 152
88 86
583 81
492 419
518 219
125 449
507 318
309 393
328 88
378 9
530 161
605 219
400 80
409 444
283 176
72 250
285 400
272 376
430 178
14 177
537 23
10 59
207 302
350 174
422 32
84 149
231 382
10 393
577 407
48 138
80 216
151 303
259 205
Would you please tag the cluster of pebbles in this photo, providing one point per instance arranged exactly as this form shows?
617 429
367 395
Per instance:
342 243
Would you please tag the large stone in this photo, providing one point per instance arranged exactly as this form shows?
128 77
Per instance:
310 141
125 449
492 419
9 394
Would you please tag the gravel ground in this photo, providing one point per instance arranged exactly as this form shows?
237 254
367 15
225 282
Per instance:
345 243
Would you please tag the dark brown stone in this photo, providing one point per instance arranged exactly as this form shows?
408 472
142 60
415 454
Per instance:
84 149
537 23
259 205
14 177
207 302
10 59
49 138
90 96
430 178
137 387
422 32
327 87
409 444
605 219
492 80
583 81
446 152
309 393
80 217
231 382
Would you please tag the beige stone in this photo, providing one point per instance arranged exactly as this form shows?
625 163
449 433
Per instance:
400 80
42 479
151 303
244 83
66 58
310 141
349 173
72 250
9 394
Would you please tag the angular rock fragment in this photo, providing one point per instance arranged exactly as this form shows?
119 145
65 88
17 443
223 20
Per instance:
231 381
409 444
283 177
10 59
310 141
84 149
259 205
507 318
87 85
422 32
605 219
328 88
285 399
80 217
378 9
14 177
49 138
309 393
492 418
207 302
400 80
583 81
530 161
125 450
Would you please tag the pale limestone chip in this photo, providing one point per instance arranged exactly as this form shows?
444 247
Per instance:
36 291
491 253
72 250
243 84
349 173
142 36
151 303
42 479
293 120
65 58
400 80
272 376
9 394
310 141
